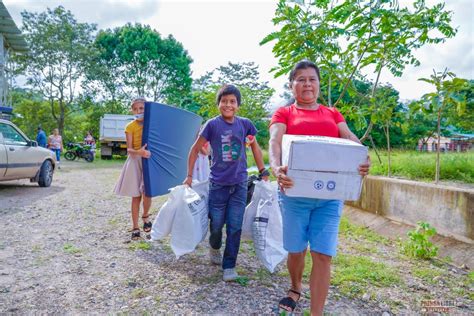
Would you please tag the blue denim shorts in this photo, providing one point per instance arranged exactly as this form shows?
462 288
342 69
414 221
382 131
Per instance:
313 221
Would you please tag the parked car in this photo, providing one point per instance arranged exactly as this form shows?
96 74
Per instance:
21 158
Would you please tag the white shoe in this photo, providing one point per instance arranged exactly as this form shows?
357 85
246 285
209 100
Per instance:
215 256
230 275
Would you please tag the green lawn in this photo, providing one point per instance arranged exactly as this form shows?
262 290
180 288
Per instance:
421 165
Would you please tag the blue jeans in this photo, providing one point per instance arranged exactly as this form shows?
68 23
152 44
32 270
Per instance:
226 206
57 151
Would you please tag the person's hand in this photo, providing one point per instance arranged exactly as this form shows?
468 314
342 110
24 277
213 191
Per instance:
188 181
144 152
284 182
249 139
264 174
364 167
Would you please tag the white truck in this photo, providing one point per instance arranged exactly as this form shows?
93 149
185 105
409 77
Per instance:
112 135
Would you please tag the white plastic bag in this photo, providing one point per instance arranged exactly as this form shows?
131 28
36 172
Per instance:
267 227
250 212
191 219
164 220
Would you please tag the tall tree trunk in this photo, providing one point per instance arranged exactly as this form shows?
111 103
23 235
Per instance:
438 149
387 135
61 117
369 128
329 92
375 148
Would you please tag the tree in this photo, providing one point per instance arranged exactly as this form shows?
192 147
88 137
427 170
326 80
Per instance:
419 125
463 120
449 94
384 113
59 49
346 37
255 94
134 60
31 112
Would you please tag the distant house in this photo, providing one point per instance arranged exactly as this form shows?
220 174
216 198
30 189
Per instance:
11 40
456 142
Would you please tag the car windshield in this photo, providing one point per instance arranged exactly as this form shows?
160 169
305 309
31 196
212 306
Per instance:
11 136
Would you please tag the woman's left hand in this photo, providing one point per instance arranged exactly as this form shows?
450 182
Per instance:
364 168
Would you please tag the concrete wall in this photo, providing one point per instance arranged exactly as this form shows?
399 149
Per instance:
449 209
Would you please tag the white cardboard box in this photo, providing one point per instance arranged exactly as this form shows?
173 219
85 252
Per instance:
323 167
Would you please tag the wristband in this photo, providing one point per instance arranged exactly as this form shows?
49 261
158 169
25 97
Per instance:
264 173
189 176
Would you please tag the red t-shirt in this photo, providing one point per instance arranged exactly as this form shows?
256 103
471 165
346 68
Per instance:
320 122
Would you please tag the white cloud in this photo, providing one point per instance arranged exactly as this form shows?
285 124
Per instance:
215 32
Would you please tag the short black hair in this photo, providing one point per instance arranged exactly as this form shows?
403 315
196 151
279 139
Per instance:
226 90
304 64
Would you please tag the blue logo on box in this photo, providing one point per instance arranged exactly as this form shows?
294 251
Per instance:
331 185
319 185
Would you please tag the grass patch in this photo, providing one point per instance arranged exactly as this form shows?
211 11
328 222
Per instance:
263 276
210 279
349 230
140 245
36 248
165 246
416 165
353 274
426 274
71 249
470 277
114 221
242 280
139 293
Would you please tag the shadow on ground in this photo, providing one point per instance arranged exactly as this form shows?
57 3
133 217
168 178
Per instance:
15 195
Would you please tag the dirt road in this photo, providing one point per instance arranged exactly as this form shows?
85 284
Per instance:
65 249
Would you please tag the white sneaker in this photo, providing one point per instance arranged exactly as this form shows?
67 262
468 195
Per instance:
230 275
215 256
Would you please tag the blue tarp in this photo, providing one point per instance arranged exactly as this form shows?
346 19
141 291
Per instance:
169 133
5 109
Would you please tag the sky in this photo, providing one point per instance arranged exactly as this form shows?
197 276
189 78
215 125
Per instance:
215 32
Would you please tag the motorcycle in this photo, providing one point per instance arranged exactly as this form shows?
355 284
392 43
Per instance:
77 150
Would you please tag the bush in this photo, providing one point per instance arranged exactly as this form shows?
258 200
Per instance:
418 244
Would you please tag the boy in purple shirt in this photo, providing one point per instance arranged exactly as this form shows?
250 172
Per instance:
227 134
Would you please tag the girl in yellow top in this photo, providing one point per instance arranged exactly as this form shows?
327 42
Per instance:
130 182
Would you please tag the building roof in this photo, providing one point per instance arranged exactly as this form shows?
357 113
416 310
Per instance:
462 136
12 34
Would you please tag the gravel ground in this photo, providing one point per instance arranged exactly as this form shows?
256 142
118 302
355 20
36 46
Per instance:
66 249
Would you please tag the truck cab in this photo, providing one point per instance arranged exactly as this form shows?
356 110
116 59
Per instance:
112 135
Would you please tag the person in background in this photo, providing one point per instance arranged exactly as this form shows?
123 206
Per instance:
130 182
89 139
55 143
307 220
41 138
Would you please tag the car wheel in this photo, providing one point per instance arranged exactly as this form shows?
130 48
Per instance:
69 155
46 174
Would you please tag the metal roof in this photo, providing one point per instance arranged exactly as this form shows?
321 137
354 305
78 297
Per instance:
12 34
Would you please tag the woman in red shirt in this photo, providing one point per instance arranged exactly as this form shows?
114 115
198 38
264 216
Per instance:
306 220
